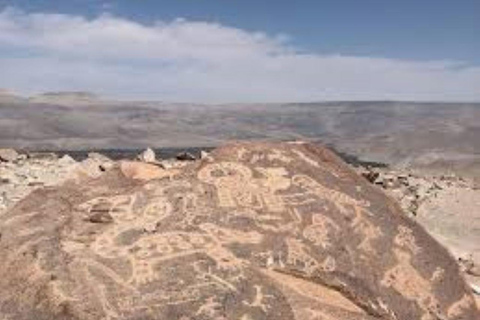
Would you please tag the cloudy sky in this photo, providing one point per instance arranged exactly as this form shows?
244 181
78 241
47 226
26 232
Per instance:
245 50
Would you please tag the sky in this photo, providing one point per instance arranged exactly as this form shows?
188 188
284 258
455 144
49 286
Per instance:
244 51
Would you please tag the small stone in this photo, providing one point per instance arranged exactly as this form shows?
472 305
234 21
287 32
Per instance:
100 217
106 166
185 156
36 184
371 176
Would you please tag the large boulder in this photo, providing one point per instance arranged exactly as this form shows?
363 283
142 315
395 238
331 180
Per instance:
254 231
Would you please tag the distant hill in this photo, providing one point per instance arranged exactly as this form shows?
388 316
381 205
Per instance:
427 135
9 96
65 98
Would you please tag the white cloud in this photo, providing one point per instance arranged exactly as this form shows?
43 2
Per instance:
199 61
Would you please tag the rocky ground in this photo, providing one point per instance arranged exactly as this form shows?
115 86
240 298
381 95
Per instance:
447 206
20 174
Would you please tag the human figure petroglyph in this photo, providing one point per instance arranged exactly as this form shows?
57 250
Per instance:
406 239
275 180
318 232
370 232
236 186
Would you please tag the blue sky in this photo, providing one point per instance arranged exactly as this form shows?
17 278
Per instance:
408 50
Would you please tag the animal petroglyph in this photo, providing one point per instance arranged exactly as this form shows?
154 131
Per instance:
340 199
406 280
298 256
348 206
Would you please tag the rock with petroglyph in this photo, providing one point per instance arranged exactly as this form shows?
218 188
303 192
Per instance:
254 231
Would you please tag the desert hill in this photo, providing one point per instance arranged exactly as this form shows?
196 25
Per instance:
65 98
434 136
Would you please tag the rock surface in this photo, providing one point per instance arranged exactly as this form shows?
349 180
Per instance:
255 231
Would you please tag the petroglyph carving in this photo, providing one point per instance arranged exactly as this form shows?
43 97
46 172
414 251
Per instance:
307 159
279 155
406 239
341 200
318 231
459 307
438 275
274 155
298 256
259 300
210 308
369 232
329 265
236 187
348 206
228 236
406 280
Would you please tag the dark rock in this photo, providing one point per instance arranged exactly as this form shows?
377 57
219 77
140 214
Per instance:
100 217
36 184
256 231
185 156
371 176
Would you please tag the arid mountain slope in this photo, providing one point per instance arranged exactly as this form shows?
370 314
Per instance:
435 135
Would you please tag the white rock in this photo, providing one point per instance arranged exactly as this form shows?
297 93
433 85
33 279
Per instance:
147 156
